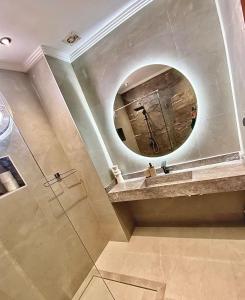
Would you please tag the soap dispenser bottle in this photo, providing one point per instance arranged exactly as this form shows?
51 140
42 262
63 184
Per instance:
117 173
147 173
152 170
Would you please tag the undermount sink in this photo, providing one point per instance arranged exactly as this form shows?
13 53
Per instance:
166 178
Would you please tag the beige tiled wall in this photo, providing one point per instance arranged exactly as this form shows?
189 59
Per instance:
76 102
41 256
96 205
183 34
234 30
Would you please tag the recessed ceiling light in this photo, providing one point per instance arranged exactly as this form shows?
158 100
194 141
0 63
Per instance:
5 41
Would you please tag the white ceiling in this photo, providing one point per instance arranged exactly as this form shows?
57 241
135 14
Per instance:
142 75
31 23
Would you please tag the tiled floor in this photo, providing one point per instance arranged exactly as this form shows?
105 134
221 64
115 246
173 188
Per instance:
97 290
122 291
195 263
111 286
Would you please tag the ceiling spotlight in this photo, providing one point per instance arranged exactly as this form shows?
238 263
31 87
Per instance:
5 41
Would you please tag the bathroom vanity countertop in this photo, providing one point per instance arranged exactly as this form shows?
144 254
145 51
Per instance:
226 177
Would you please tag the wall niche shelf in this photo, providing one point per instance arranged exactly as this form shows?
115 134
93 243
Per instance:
10 178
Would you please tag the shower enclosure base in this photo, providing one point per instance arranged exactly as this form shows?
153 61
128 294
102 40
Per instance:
122 287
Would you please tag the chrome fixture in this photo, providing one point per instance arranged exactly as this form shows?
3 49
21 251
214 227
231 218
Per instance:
166 170
152 140
59 177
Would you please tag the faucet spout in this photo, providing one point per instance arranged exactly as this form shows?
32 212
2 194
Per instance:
164 167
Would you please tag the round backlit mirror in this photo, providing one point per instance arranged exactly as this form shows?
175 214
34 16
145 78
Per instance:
155 110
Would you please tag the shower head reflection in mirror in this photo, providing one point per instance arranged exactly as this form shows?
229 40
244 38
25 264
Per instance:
155 110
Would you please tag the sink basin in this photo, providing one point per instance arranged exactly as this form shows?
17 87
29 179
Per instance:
167 178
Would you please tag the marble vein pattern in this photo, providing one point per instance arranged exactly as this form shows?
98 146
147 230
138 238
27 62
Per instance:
205 263
207 180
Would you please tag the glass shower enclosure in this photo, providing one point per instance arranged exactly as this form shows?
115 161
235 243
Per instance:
42 254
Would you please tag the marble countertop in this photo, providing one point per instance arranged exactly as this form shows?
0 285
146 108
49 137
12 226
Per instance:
226 177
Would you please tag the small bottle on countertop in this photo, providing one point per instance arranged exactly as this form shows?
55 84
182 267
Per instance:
152 170
147 173
117 173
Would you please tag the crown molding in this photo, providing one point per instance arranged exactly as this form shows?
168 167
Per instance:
82 47
41 51
56 53
33 58
11 66
109 27
24 67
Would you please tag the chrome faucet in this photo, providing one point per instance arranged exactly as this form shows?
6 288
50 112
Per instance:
164 167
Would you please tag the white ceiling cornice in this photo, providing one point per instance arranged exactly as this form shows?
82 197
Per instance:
109 27
11 66
83 46
24 67
33 58
56 53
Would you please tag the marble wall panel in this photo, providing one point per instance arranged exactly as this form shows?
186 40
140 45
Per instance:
234 31
101 211
183 34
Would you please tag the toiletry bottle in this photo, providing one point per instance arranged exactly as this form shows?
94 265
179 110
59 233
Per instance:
147 172
8 180
152 170
118 174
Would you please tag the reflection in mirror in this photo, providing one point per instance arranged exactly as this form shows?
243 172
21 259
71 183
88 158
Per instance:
155 110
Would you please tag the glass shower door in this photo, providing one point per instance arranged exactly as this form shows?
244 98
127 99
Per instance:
42 256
